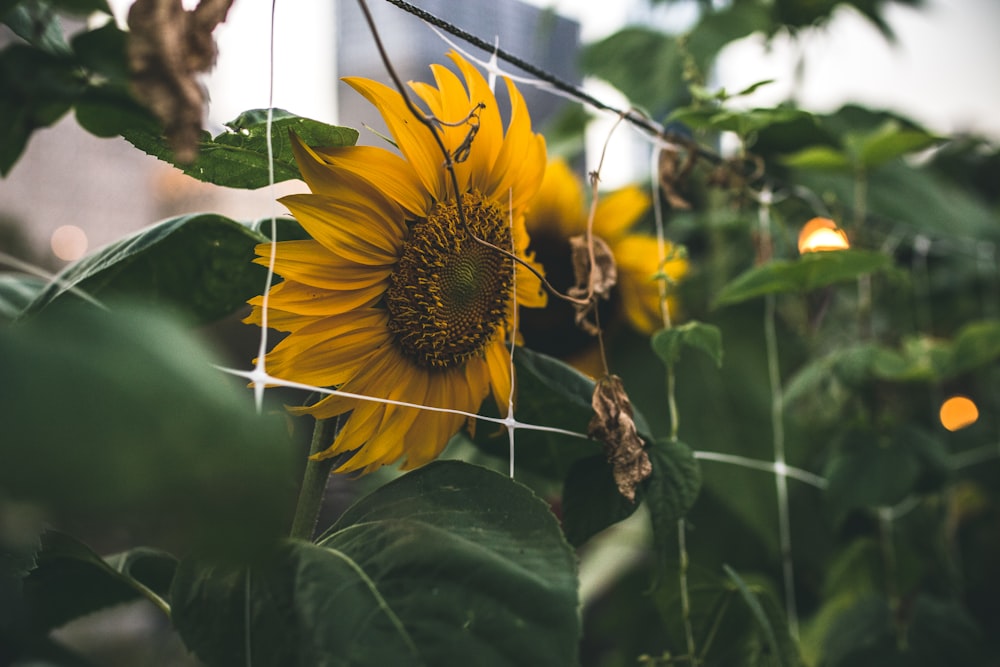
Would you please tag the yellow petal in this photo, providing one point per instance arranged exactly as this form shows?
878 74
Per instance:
498 362
520 164
558 206
292 297
415 140
385 170
618 211
329 351
354 231
310 263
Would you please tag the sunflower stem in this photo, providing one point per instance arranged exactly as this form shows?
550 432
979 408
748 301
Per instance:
313 482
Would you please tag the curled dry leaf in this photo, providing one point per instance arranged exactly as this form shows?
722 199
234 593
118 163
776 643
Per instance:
167 48
674 167
614 425
592 283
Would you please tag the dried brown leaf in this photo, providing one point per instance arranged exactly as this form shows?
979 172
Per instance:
674 167
614 425
592 283
168 48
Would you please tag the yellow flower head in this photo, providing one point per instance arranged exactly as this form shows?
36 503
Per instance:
392 298
558 212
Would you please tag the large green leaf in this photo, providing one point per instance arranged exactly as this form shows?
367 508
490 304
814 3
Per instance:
451 564
71 581
237 158
551 394
197 265
807 273
590 499
120 418
16 292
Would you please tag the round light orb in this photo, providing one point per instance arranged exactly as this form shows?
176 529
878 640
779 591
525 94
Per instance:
958 412
822 235
69 243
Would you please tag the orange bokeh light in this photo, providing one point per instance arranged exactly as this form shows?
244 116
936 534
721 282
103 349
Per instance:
820 235
958 412
69 243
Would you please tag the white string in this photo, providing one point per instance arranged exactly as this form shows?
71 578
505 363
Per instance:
509 422
767 466
269 379
778 428
258 377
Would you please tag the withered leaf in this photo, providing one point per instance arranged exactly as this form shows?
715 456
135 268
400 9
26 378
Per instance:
167 48
674 167
614 425
592 282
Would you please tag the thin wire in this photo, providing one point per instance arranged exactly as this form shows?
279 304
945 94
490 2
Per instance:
778 428
275 381
804 476
510 420
260 369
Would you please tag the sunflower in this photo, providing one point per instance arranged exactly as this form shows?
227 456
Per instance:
559 212
401 293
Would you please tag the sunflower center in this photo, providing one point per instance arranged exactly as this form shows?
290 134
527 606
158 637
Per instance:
450 293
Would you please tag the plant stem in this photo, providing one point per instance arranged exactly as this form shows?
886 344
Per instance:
865 281
685 597
313 482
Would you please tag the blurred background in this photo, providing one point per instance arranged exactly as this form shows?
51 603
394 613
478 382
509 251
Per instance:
937 68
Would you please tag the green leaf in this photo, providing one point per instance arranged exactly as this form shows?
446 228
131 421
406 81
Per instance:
103 51
875 470
71 581
82 6
975 345
121 418
942 632
590 500
818 157
238 158
451 564
862 634
890 141
37 24
671 489
770 621
302 606
39 88
742 122
150 568
644 64
808 272
198 265
667 343
16 292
